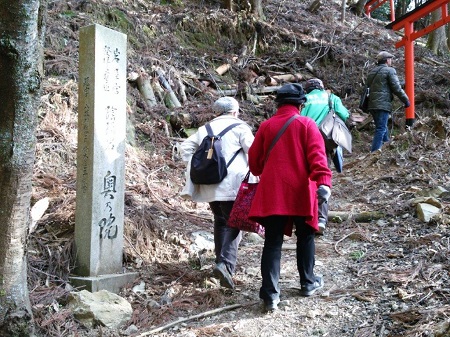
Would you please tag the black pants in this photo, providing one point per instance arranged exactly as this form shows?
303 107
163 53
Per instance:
271 256
226 239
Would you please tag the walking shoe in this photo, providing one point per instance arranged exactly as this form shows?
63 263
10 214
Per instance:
322 226
220 272
308 290
271 306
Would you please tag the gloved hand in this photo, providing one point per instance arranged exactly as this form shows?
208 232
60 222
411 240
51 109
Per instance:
323 193
407 104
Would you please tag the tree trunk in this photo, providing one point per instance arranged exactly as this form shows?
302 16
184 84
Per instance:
228 4
22 24
256 8
437 39
359 7
343 5
252 6
402 7
314 6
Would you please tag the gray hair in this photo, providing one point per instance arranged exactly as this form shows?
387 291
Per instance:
225 105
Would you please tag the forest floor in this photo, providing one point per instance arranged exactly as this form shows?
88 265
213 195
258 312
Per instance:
386 274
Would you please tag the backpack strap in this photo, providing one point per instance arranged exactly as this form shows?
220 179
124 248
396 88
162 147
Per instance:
228 128
221 134
209 130
234 156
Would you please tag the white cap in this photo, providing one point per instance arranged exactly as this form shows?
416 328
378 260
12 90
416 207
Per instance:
225 105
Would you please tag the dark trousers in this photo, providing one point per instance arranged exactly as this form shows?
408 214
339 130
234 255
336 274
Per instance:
226 239
271 255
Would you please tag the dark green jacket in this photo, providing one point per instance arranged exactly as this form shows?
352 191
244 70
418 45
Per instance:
384 84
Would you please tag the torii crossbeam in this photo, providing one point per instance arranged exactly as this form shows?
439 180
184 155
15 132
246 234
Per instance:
406 23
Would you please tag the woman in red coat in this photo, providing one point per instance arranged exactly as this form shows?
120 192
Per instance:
287 191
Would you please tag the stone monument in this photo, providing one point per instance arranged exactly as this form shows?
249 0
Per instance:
99 216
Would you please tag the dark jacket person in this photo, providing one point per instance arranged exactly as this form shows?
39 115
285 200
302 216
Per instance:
384 84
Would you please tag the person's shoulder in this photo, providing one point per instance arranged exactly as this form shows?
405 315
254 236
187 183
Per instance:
243 125
392 70
374 69
315 92
306 120
334 96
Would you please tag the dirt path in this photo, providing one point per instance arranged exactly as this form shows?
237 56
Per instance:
380 279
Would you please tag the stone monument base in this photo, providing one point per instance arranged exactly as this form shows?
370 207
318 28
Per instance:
110 282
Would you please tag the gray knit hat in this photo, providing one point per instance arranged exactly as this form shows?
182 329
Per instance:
225 105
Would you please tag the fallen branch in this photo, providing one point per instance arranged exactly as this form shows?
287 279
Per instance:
190 318
433 62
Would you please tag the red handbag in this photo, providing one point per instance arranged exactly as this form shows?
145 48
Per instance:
241 208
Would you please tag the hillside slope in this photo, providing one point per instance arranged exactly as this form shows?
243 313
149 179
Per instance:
385 277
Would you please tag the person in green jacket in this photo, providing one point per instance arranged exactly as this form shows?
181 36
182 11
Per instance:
317 107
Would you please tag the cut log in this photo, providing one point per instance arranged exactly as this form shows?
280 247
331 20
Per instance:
339 217
158 90
253 90
171 99
181 89
223 68
310 67
180 120
289 77
146 90
270 81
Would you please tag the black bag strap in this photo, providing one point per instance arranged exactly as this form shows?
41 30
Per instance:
221 134
280 132
374 77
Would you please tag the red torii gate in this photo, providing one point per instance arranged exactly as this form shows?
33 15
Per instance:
406 22
374 4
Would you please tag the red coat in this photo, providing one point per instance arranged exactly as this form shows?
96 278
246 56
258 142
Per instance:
296 165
